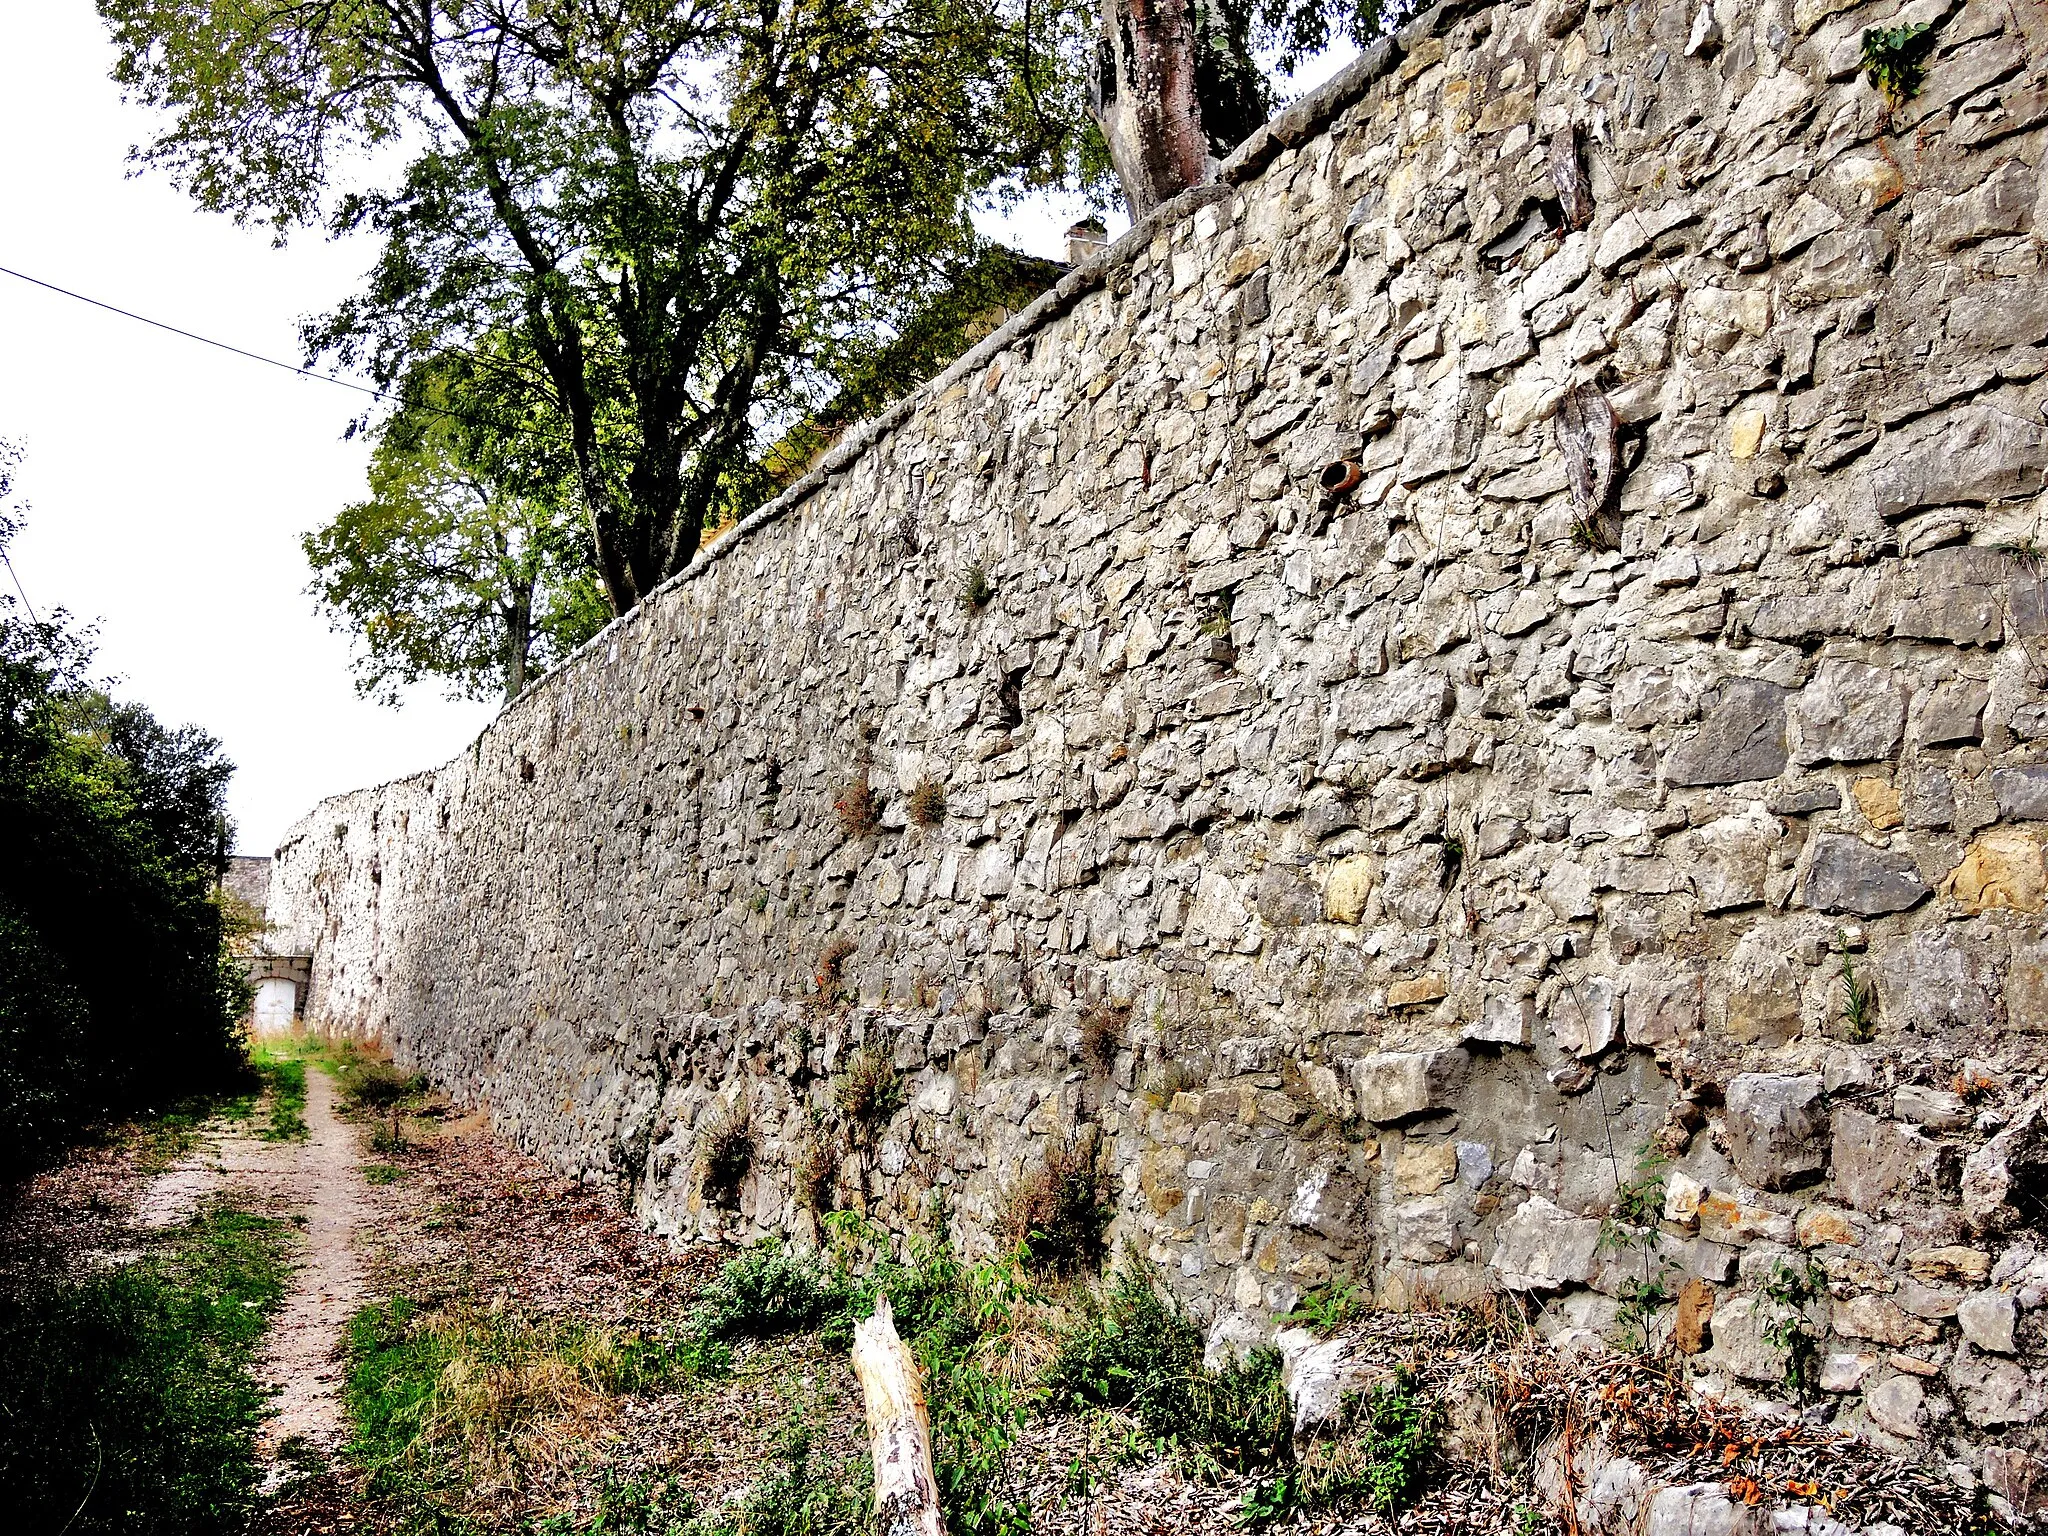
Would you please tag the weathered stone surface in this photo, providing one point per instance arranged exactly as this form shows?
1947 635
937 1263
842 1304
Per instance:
1743 1345
2022 792
1846 874
1349 886
1396 1085
1975 454
1898 1406
1741 738
1992 1392
1987 1320
1541 1248
1849 713
2003 868
1875 1159
1701 1509
1777 1128
1881 1319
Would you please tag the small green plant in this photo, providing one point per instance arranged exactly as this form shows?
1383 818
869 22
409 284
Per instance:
765 1292
1592 534
1055 1215
1102 1034
1326 1306
1641 1300
725 1155
758 902
858 808
1454 861
976 591
927 803
1788 1288
1895 60
868 1092
383 1173
1859 999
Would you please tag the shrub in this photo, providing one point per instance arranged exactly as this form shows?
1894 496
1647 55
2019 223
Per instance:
377 1086
1102 1034
725 1155
976 590
868 1092
858 808
1138 1350
764 1292
927 804
816 1174
832 964
1057 1213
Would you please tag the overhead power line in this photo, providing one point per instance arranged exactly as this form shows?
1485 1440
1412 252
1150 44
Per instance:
258 357
162 325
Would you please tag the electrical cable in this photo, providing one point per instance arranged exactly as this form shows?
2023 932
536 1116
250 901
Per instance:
258 357
31 607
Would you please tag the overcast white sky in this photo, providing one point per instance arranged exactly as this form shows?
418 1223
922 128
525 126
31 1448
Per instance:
169 482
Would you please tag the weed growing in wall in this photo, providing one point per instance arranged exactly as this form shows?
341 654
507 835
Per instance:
858 808
868 1092
1055 1215
1895 60
1102 1034
976 590
725 1156
1858 1013
927 804
832 966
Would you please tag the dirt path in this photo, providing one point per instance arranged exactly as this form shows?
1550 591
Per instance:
301 1360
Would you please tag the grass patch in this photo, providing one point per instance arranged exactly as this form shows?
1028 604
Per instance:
452 1400
383 1173
125 1401
284 1080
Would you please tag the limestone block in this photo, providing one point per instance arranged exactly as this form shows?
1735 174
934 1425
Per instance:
1541 1248
1742 1344
1777 1128
1880 1319
1937 976
1503 1020
1286 900
1396 1085
1876 1159
1742 737
1846 874
1975 454
1992 1392
1701 1509
1729 857
1425 1231
2022 792
1897 1405
1848 713
1425 1170
1350 883
1661 1002
1987 1319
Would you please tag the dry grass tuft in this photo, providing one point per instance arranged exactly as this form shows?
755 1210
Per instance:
1102 1034
868 1091
724 1155
927 803
1058 1213
858 808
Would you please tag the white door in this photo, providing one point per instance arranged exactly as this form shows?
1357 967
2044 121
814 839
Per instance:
274 1006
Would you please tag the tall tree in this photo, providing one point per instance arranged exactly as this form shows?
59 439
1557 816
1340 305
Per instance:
1174 85
465 563
690 211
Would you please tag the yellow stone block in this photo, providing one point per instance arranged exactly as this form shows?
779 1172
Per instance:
1421 989
2000 869
1425 1170
1349 885
1745 434
1880 802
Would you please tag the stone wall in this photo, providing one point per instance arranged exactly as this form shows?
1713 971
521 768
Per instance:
1636 775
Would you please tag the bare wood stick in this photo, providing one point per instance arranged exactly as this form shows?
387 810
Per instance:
899 1432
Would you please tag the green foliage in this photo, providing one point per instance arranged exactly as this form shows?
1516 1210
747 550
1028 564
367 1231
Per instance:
806 1494
118 992
1787 1288
1895 60
1141 1352
1859 1000
1641 1300
976 590
1638 1206
1376 1461
766 1291
695 217
368 1084
927 803
466 563
125 1400
382 1173
1326 1306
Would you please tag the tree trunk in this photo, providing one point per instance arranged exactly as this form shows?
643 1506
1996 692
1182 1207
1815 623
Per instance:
899 1433
518 616
1173 91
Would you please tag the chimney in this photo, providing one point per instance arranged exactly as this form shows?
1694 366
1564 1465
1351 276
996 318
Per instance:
1085 241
